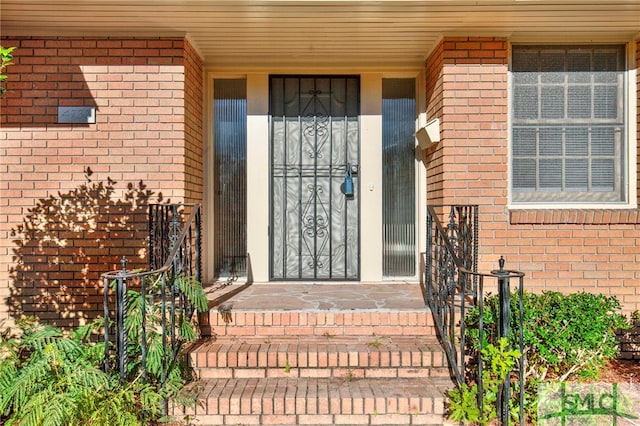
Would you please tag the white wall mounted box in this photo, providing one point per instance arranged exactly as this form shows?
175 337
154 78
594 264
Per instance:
428 134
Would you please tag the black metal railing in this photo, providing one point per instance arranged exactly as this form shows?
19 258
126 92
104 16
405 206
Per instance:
448 250
504 329
164 232
454 286
175 232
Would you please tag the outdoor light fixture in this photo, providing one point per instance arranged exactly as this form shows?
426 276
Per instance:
77 114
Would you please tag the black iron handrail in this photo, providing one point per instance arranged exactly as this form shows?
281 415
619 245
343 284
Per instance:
164 239
454 285
181 249
449 250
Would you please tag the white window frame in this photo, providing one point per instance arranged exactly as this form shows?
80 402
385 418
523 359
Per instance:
630 139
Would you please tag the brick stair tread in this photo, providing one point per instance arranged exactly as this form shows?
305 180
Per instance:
307 367
319 396
365 339
319 352
339 323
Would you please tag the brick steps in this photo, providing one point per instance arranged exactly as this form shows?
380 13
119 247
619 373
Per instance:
319 367
312 323
320 401
320 357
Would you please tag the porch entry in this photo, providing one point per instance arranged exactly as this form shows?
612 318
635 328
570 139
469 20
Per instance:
315 191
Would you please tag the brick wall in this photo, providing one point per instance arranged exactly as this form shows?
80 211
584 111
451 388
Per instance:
193 171
630 342
73 196
638 115
565 250
469 165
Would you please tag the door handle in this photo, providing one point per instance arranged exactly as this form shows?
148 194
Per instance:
347 187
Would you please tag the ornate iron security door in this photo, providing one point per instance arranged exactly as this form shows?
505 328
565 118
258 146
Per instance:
314 178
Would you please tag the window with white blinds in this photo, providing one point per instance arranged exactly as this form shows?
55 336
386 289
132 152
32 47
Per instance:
568 124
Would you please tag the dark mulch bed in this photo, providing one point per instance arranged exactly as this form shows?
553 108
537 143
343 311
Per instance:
621 371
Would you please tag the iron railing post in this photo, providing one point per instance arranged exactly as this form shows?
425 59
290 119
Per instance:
521 365
504 296
198 248
151 225
480 301
428 260
105 308
504 330
121 317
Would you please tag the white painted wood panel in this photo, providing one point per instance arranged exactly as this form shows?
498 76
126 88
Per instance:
311 33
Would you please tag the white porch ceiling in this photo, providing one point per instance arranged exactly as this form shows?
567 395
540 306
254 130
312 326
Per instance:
240 34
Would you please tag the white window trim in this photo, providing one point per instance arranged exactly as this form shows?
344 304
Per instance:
631 76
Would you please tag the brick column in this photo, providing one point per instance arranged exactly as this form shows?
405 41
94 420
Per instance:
467 90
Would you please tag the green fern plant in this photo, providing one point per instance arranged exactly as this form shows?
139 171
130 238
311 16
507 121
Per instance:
51 378
165 371
161 356
48 377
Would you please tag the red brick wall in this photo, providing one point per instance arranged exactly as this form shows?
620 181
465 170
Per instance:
433 157
193 125
469 165
565 250
73 196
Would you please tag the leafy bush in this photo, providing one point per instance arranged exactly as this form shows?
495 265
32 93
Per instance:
156 356
6 55
498 362
564 335
48 377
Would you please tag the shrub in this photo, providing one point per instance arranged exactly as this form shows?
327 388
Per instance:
48 377
156 357
498 362
564 335
6 56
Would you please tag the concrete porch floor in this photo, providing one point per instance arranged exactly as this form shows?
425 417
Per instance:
317 296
